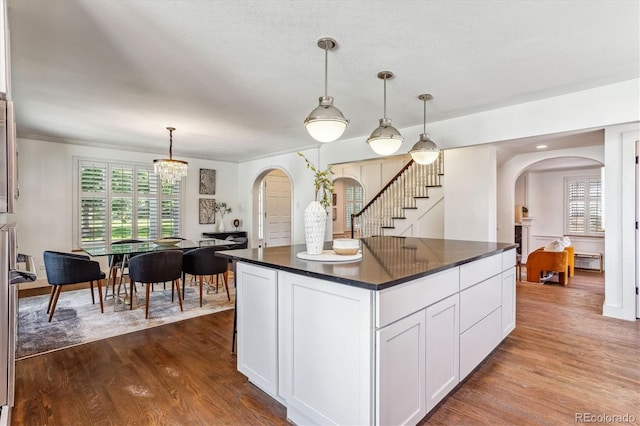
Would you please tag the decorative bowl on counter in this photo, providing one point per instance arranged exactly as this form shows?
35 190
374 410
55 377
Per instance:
346 246
167 242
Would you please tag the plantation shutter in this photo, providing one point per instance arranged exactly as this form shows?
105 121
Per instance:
170 210
576 207
584 206
147 205
354 196
121 204
125 201
595 206
93 203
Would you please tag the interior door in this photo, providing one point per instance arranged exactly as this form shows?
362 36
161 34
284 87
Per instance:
277 209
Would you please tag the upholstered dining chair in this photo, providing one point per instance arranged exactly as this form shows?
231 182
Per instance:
70 268
202 262
157 267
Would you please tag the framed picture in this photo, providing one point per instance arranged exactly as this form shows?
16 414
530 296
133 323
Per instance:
335 213
205 211
207 182
334 198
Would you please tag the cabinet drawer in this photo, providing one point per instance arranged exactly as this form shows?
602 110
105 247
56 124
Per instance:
479 301
508 259
480 270
478 342
399 301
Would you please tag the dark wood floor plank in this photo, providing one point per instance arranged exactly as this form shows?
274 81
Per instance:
563 358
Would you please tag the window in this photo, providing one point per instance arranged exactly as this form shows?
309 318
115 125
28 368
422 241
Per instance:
584 204
124 201
353 196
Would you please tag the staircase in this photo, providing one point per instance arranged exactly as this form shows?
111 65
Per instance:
408 197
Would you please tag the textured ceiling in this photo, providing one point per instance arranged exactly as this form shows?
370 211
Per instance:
237 78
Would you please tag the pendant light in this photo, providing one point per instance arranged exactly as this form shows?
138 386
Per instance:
425 150
386 139
170 170
326 123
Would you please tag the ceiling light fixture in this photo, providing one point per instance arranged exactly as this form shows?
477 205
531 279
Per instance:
170 170
326 123
541 146
425 150
386 139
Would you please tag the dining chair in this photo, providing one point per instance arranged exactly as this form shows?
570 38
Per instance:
70 268
156 267
203 262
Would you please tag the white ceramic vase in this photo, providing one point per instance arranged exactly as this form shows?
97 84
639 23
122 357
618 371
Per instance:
221 226
315 221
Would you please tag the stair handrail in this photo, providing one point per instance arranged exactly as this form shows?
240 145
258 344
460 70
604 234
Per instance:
378 195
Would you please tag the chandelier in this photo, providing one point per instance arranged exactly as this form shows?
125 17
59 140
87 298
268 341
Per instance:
170 170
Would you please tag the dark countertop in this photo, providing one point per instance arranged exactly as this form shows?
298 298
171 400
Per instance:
386 261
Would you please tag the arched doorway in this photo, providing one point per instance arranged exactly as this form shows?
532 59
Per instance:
272 215
560 196
348 199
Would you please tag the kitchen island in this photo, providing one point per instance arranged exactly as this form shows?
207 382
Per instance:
377 341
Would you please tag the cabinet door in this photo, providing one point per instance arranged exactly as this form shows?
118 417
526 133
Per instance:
508 301
326 342
442 349
400 371
257 325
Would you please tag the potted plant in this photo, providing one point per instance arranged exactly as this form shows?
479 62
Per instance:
525 212
222 208
315 215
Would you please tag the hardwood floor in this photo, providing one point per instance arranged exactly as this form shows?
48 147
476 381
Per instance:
562 359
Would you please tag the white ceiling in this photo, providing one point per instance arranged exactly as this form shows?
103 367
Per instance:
237 78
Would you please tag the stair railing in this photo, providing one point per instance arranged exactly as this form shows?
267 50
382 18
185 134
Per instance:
400 193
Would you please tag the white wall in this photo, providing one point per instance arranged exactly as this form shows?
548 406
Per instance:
45 208
470 193
620 246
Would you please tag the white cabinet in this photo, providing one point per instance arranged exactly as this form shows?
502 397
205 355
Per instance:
508 292
417 356
340 354
257 309
508 301
400 371
478 342
326 351
442 349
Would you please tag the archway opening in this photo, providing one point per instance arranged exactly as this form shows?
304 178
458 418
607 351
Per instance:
272 212
348 199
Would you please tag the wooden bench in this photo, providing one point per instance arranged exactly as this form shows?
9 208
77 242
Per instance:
584 255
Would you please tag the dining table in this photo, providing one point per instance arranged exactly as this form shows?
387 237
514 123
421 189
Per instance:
121 252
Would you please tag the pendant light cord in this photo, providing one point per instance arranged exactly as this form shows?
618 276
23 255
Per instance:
424 121
326 68
384 112
170 144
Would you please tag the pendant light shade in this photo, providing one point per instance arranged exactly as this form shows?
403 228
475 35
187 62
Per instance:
326 123
386 139
425 150
170 170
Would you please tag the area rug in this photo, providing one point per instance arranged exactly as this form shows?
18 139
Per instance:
77 321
